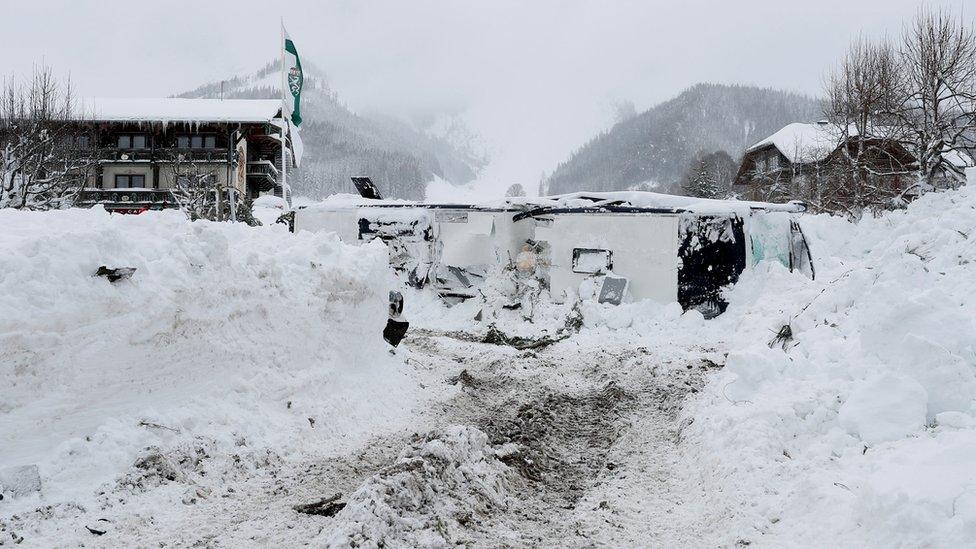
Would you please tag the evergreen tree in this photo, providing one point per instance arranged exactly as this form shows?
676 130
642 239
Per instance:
702 183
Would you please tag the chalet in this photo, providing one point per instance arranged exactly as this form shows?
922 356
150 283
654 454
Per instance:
794 160
143 146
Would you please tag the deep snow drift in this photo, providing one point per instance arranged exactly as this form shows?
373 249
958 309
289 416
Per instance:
860 429
228 336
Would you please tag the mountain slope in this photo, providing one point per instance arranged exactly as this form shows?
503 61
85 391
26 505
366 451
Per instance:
657 145
340 144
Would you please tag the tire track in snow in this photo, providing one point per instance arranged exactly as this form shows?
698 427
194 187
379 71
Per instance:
590 432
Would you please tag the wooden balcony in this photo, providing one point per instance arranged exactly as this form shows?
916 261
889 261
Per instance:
126 200
113 155
263 174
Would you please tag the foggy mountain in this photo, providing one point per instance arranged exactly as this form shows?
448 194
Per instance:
339 143
657 146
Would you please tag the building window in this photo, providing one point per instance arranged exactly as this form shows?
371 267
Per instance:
132 141
129 181
773 161
195 181
592 260
196 141
76 142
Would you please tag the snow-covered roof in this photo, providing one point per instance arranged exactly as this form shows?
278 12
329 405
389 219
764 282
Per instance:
649 200
174 109
342 201
634 199
803 143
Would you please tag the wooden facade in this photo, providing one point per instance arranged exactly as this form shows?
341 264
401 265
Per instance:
138 159
769 172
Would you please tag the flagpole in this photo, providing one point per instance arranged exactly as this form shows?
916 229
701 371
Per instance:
284 117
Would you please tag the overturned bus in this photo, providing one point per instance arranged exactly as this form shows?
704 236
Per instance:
611 246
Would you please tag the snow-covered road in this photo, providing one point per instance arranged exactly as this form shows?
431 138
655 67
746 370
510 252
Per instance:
585 434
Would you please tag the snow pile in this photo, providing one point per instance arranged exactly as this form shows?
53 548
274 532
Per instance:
252 339
268 208
440 484
857 425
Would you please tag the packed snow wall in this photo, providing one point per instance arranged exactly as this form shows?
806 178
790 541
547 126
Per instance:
857 425
250 337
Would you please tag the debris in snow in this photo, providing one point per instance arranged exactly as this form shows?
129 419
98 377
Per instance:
99 528
613 290
464 378
366 188
156 467
152 425
571 324
441 484
115 274
496 337
325 507
782 338
396 327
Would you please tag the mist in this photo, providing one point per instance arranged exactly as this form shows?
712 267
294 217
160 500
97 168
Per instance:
533 80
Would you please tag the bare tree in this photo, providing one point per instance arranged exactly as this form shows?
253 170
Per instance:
46 150
768 180
860 93
515 190
937 94
199 193
196 188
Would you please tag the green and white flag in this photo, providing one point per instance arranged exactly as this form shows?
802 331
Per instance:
292 78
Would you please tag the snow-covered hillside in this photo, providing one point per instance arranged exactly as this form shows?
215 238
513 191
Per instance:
248 339
339 143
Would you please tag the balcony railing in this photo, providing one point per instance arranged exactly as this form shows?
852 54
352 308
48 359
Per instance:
126 199
169 154
262 168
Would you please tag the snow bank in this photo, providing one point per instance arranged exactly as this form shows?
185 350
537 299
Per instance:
439 483
859 428
252 338
268 208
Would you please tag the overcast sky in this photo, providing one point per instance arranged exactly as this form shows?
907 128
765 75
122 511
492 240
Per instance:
535 78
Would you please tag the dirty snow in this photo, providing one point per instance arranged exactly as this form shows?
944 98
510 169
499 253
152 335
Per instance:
157 409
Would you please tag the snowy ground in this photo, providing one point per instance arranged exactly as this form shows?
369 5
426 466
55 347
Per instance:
181 409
